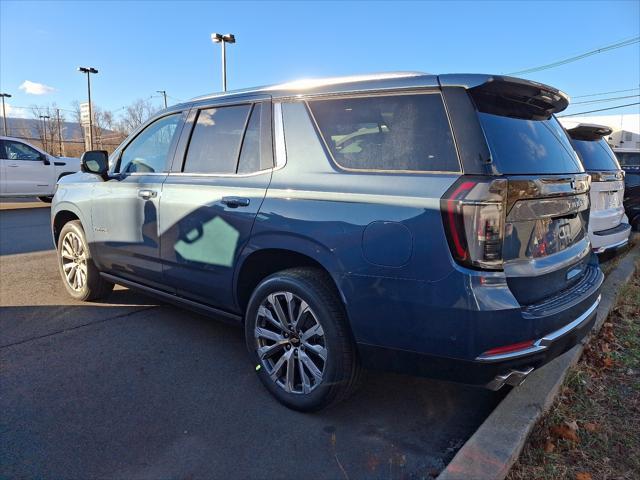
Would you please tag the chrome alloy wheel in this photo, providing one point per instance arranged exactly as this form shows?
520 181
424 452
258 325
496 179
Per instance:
290 342
74 261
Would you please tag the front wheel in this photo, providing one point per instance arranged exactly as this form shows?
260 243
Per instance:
80 276
297 335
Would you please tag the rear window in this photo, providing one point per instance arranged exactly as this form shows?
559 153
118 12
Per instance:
396 132
520 146
596 155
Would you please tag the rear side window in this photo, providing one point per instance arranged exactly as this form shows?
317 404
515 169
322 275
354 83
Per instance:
394 132
216 138
596 155
250 154
520 146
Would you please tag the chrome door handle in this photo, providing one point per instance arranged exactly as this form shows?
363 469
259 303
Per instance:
235 202
147 194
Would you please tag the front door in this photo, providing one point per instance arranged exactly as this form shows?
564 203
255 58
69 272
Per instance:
26 171
211 198
124 211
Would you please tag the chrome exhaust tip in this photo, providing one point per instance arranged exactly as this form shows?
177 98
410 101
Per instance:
512 377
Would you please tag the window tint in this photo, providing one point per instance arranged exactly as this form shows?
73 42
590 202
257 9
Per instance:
628 159
19 151
215 142
148 152
396 132
596 155
250 153
529 146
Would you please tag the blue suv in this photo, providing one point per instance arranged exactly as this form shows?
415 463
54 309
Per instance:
426 224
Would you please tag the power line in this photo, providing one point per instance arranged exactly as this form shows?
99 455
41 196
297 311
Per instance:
601 100
599 110
605 93
575 58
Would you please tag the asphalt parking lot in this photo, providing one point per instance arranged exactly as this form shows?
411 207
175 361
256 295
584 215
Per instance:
133 389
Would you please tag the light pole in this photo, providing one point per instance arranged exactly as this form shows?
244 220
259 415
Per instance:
223 40
60 146
164 94
44 130
89 71
4 115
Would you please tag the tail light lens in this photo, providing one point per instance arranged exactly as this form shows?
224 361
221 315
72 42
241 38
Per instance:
473 212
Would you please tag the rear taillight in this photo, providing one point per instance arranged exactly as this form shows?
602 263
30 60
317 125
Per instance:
473 212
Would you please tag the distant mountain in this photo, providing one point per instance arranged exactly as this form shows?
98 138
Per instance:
29 128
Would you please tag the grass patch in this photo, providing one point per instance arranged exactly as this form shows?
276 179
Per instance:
592 431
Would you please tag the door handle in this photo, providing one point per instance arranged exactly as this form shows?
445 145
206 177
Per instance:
147 194
14 165
235 202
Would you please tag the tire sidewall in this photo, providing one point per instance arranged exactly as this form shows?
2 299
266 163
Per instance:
77 229
334 364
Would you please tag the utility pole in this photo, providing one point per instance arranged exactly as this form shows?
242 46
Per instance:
89 71
4 115
223 40
44 131
164 94
60 145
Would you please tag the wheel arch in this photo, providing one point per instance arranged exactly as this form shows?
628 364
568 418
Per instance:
63 216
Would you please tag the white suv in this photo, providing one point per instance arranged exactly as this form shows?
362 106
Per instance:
608 225
27 171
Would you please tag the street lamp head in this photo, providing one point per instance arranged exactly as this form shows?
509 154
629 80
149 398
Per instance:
227 38
45 116
5 95
87 70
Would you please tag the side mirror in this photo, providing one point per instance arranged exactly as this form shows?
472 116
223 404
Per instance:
96 162
45 159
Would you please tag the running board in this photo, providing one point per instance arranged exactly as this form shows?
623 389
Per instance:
176 300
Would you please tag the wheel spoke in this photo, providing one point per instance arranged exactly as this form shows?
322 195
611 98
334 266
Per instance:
264 333
275 303
291 370
71 273
268 350
315 330
313 369
278 366
304 308
67 266
266 313
306 384
319 350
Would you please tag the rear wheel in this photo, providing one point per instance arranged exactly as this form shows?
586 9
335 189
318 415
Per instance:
297 336
79 274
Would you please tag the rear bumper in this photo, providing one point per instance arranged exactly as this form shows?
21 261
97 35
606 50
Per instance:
610 239
491 373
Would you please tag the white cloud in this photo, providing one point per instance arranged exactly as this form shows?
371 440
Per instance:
35 88
16 112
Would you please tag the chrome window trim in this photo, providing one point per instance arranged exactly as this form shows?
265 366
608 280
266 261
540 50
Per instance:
412 91
278 136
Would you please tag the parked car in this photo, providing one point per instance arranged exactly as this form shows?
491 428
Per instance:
609 227
630 162
425 224
27 171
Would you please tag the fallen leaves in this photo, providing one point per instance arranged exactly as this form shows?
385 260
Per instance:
583 476
566 431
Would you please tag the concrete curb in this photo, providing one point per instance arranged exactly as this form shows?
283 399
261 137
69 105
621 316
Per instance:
496 445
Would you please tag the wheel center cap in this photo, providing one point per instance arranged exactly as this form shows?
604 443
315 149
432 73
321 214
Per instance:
295 340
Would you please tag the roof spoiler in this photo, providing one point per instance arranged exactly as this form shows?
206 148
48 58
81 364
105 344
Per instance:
510 96
589 131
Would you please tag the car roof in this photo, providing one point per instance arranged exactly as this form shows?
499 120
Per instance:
364 83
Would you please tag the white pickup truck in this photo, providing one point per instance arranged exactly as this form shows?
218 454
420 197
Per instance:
27 171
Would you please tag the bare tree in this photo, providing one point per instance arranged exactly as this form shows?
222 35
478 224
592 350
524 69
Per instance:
136 114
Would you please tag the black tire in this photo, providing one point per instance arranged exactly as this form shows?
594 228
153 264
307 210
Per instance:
94 287
46 199
341 370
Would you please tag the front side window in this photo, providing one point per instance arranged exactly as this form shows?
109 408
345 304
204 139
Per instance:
394 132
149 151
596 155
19 151
216 138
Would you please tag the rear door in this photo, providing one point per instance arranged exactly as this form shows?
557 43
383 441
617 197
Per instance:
212 195
26 170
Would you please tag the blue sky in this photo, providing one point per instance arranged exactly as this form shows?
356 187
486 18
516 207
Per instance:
141 47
